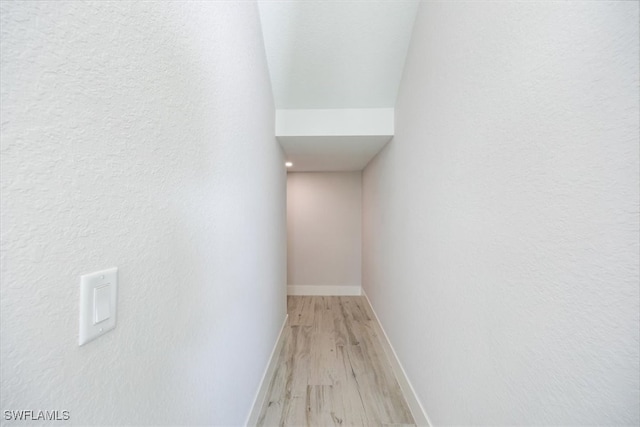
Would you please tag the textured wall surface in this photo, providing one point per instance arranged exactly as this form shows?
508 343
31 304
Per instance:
139 135
324 228
501 223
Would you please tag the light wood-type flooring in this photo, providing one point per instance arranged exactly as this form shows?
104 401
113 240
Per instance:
332 369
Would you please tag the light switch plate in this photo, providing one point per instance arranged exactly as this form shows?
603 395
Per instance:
98 297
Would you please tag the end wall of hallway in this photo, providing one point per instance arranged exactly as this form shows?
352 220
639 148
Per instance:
324 233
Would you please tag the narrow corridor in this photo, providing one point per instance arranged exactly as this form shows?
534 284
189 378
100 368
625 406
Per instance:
332 369
473 166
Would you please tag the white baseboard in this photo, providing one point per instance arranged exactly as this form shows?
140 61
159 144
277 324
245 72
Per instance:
418 412
323 290
258 402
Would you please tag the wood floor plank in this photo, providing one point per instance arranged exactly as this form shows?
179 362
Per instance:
303 311
323 320
332 369
298 359
294 413
347 386
276 395
339 327
356 308
323 361
377 375
292 302
348 321
293 309
324 407
372 397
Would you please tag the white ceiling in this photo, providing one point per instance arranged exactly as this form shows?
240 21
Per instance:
336 54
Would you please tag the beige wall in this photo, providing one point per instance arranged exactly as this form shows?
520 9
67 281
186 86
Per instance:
324 212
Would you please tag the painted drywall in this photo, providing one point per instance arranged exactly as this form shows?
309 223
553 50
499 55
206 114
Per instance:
336 54
324 229
139 135
336 122
335 140
500 243
331 153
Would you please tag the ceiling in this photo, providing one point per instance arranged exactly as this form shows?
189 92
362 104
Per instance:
336 54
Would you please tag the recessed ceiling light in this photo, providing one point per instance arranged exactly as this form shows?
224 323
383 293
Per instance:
288 164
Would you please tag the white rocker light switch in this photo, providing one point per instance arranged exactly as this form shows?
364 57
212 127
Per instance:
98 297
101 303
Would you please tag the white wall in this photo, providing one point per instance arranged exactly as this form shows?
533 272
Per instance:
336 122
139 136
324 229
501 223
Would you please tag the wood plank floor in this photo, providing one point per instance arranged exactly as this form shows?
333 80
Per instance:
332 369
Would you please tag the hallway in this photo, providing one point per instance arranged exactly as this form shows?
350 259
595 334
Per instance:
186 179
332 369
